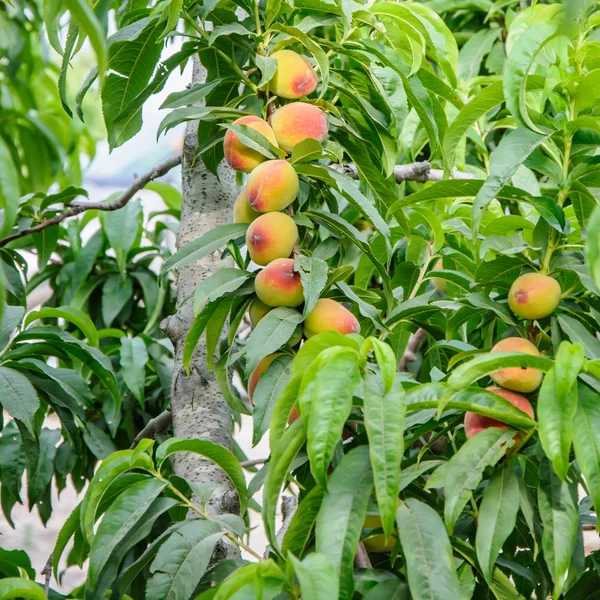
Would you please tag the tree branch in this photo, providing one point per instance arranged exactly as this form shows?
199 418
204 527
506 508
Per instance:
361 558
77 207
410 354
417 171
253 462
154 427
47 573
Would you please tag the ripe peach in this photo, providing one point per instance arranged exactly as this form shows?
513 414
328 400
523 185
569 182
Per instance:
272 235
242 211
294 76
257 311
272 186
298 121
239 156
519 379
260 368
474 422
329 315
534 296
279 285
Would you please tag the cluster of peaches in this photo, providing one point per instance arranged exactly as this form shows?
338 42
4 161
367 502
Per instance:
532 296
271 187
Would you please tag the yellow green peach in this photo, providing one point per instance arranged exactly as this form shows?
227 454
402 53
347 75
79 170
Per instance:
298 121
294 77
272 186
272 235
239 156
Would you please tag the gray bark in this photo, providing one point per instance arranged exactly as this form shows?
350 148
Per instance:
198 408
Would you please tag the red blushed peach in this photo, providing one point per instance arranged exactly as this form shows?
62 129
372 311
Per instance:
259 370
279 285
272 235
239 156
272 186
257 311
329 315
298 121
518 379
294 76
242 211
534 296
475 423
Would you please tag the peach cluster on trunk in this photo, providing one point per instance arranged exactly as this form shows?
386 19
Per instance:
271 236
298 121
294 77
238 155
534 296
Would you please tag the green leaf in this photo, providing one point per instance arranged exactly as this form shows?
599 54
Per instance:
313 275
98 441
222 457
366 310
480 105
384 421
557 405
325 401
427 551
271 333
182 560
171 196
41 476
386 361
254 574
215 286
122 229
267 392
9 189
342 514
204 245
45 242
19 398
123 516
517 67
192 95
471 55
317 576
134 357
255 140
512 151
577 333
14 587
586 439
592 246
267 67
116 293
560 519
497 517
68 313
298 533
484 364
306 150
315 345
228 29
463 472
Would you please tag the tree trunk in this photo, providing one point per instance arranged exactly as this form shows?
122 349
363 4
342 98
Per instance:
198 408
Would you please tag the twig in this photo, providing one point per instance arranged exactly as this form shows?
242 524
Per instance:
154 427
47 573
410 354
253 462
361 558
77 207
417 171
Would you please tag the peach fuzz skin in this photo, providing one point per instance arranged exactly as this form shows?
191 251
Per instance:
240 157
279 285
518 379
272 186
329 315
260 368
475 423
534 296
271 236
257 311
298 121
294 76
242 211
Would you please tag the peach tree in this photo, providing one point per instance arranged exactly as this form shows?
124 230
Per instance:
387 262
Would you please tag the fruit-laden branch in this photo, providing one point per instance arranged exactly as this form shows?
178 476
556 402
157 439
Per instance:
77 207
417 171
154 427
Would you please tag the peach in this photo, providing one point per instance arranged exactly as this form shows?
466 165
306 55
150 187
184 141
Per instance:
518 379
298 121
242 211
279 285
257 311
272 235
260 369
377 543
441 285
475 423
329 315
294 77
238 155
534 296
272 186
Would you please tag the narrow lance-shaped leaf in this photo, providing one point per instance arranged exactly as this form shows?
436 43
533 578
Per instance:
313 275
134 357
317 576
19 397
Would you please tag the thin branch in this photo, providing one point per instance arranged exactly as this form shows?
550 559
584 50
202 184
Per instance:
410 354
47 573
417 171
361 558
253 462
77 207
154 427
